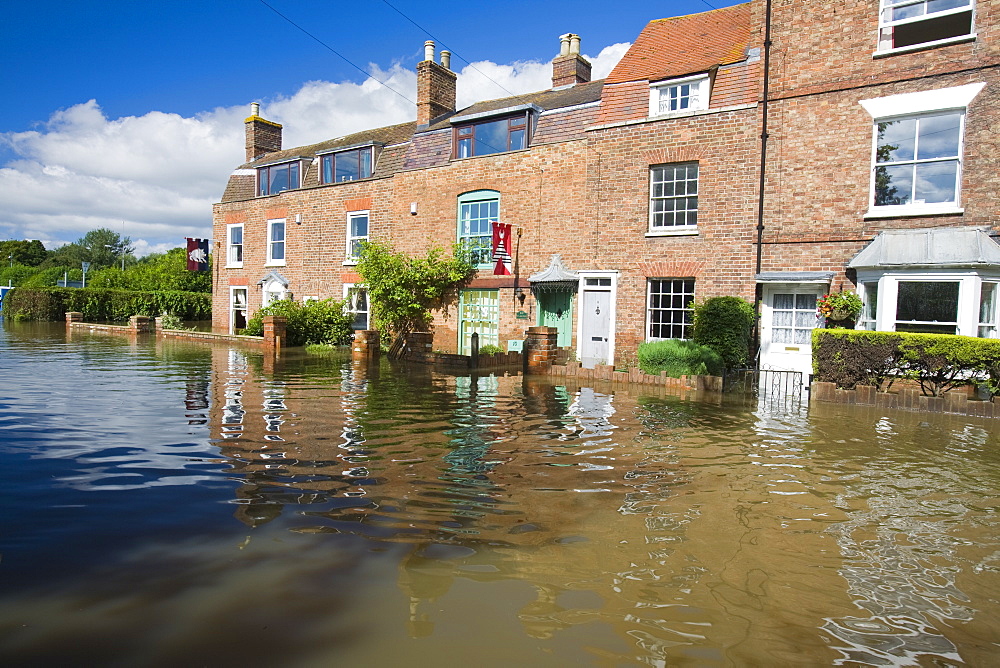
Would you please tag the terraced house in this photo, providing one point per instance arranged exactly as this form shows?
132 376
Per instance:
627 198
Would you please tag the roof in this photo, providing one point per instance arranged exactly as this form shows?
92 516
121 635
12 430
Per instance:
546 100
674 47
392 134
932 247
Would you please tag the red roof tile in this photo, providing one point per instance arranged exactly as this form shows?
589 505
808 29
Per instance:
689 44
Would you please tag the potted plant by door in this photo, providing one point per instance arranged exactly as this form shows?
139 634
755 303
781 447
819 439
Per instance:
839 307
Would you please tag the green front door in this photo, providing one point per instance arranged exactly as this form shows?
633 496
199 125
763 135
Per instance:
555 309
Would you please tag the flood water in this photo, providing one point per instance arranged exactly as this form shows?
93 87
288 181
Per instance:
174 504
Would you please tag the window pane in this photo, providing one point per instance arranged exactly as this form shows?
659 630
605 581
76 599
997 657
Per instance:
896 140
516 140
366 163
927 302
491 137
939 136
893 185
673 195
277 231
359 226
347 166
936 182
784 301
327 167
668 307
236 235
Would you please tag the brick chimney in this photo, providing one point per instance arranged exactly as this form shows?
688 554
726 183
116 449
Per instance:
435 86
569 67
262 136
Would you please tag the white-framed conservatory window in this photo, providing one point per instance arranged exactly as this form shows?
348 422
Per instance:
953 302
679 95
907 25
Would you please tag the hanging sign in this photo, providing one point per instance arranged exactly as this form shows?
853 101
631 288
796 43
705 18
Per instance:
197 254
501 249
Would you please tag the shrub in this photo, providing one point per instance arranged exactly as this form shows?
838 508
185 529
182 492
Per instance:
104 305
490 349
323 321
725 324
939 362
856 357
679 358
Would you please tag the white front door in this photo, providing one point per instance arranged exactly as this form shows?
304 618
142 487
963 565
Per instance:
596 337
788 317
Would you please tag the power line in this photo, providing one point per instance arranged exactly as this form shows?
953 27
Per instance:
427 32
337 53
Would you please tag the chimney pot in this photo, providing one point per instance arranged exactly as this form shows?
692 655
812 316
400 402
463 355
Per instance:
446 59
255 109
574 44
429 50
564 45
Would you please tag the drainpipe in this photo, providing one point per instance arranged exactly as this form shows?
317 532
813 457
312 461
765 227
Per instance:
758 290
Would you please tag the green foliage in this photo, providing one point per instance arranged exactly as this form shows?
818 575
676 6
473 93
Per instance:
162 271
404 290
29 253
171 321
490 349
323 321
856 357
101 248
938 362
840 306
26 303
16 275
725 324
679 358
49 277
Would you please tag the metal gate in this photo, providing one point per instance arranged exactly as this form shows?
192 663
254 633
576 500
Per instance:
783 390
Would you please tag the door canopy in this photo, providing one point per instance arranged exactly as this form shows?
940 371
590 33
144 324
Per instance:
554 278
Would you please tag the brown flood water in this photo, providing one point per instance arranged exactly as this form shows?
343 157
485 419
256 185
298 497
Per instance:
177 504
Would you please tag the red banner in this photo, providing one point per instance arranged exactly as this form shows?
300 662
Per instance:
197 254
501 248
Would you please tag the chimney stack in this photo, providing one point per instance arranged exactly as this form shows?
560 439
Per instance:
569 67
261 136
435 86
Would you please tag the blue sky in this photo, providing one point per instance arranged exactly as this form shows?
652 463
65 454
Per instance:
129 111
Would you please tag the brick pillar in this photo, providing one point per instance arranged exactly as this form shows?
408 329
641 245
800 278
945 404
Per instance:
540 348
140 324
73 316
275 327
366 345
419 345
158 324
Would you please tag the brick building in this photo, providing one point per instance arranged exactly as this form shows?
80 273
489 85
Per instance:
630 196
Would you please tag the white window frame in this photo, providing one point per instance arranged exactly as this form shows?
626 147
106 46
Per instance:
271 242
886 25
350 305
909 105
231 247
699 92
969 295
350 257
686 310
672 230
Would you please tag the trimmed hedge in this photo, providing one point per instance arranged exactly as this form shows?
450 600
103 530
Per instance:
679 357
103 305
939 362
725 324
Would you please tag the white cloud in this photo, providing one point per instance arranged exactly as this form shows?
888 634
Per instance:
160 173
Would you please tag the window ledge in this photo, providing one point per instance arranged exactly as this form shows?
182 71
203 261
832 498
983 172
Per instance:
275 263
677 114
926 45
675 232
909 211
238 265
350 263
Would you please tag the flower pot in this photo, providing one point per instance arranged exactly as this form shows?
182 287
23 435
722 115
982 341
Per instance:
840 314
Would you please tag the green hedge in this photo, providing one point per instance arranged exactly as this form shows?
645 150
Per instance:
679 358
100 305
323 321
939 362
725 324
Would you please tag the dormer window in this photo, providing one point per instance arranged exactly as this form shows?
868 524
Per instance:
679 95
348 165
491 135
274 179
913 24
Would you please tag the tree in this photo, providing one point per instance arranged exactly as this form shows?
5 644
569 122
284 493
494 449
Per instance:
30 253
101 248
158 271
403 290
